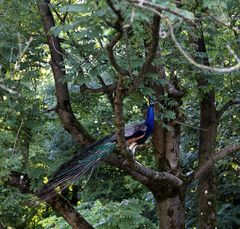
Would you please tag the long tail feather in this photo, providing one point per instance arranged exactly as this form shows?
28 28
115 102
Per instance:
79 165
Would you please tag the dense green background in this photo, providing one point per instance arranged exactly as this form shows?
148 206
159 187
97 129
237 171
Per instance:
109 198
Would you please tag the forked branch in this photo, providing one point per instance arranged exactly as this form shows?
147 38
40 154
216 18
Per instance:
213 159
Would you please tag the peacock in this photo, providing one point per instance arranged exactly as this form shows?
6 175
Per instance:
86 160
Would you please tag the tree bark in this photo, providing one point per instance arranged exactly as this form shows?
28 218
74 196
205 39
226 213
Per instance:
65 112
171 212
170 200
208 121
62 206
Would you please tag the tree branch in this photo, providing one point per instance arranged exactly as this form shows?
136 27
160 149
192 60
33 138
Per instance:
214 158
62 19
150 56
75 220
109 88
171 84
226 106
185 54
58 203
117 12
64 108
111 56
118 161
143 174
119 123
202 66
116 38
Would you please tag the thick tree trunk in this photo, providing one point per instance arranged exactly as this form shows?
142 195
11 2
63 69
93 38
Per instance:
170 201
208 125
207 183
171 212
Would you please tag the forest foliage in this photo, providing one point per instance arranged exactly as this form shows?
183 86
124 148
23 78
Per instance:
34 142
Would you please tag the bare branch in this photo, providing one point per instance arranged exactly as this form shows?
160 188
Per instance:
192 61
127 52
226 106
191 126
118 161
5 88
184 53
117 37
72 216
210 162
62 19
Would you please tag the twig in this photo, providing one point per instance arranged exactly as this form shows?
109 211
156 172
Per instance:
16 139
107 90
222 23
25 48
5 88
21 53
116 38
62 19
53 44
190 126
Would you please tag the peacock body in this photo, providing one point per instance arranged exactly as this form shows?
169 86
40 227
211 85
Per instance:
85 161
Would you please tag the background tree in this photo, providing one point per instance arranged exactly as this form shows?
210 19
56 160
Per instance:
105 56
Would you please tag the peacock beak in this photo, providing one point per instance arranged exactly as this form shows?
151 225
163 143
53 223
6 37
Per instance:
149 101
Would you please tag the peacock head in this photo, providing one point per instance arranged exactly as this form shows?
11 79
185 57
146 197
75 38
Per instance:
150 115
150 101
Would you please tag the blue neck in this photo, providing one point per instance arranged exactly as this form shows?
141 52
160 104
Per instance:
150 120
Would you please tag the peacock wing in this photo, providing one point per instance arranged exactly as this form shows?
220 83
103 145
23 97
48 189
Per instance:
132 131
135 129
